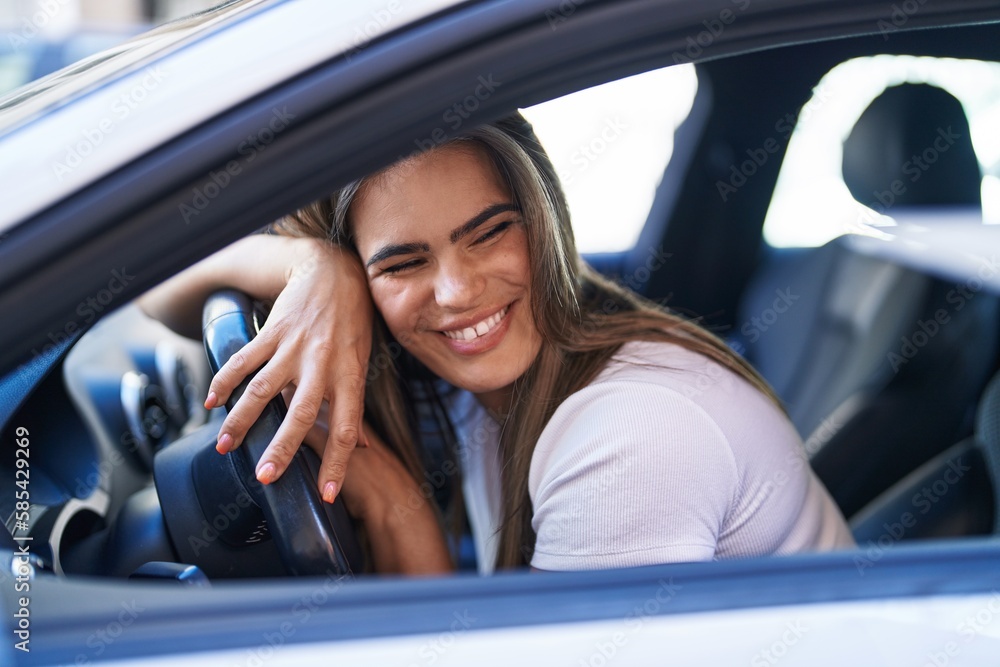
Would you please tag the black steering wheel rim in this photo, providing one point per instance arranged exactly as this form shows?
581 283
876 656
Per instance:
311 536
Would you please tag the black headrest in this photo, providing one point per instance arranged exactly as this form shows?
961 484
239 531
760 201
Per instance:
917 137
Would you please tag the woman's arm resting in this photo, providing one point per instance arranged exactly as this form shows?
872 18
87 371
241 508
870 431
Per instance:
317 337
258 265
406 538
402 525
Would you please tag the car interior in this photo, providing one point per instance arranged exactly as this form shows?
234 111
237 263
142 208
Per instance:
881 427
857 309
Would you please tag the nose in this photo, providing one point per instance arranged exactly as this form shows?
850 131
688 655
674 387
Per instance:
458 285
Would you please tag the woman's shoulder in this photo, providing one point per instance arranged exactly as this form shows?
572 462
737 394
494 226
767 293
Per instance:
665 384
675 367
678 457
649 393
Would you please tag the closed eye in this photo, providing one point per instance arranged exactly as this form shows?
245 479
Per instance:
402 266
493 232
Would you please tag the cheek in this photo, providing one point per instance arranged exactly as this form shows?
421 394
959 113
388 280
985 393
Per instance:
399 307
521 264
512 261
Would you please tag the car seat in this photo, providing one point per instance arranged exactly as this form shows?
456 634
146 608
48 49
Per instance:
867 413
956 493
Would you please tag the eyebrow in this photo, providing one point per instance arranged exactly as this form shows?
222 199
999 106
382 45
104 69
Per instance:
396 249
456 235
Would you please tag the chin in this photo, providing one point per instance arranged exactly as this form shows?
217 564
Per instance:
475 380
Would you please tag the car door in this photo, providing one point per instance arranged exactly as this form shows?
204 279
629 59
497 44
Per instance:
177 199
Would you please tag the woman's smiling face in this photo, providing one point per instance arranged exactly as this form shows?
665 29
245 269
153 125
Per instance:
446 254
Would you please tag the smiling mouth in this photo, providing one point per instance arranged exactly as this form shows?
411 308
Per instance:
480 329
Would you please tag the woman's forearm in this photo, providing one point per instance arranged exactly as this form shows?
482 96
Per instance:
258 265
406 538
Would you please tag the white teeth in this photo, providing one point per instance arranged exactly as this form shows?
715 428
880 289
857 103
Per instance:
481 329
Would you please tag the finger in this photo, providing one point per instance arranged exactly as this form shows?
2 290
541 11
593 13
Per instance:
345 418
362 434
252 356
264 386
317 435
353 387
301 417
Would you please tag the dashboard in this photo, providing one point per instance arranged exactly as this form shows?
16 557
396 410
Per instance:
126 389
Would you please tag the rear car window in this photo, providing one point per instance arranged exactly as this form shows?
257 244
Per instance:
811 205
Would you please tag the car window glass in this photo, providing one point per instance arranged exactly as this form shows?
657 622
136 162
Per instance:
15 69
811 204
610 145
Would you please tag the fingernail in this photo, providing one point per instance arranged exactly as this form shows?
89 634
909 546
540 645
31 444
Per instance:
225 443
210 400
364 439
330 492
266 474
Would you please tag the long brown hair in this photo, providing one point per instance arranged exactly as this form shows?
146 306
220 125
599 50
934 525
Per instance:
583 320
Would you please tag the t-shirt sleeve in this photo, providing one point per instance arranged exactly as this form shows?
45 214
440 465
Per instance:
626 474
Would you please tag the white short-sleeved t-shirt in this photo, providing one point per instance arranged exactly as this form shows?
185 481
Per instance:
666 456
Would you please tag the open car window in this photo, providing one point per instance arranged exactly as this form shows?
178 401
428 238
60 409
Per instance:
610 145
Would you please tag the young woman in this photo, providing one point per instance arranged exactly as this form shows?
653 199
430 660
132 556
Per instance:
594 429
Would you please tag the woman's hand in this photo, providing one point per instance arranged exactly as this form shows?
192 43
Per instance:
317 338
403 527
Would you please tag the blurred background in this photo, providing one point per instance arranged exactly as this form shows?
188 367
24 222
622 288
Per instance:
77 13
42 36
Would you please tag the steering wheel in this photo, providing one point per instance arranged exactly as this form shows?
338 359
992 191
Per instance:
219 516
